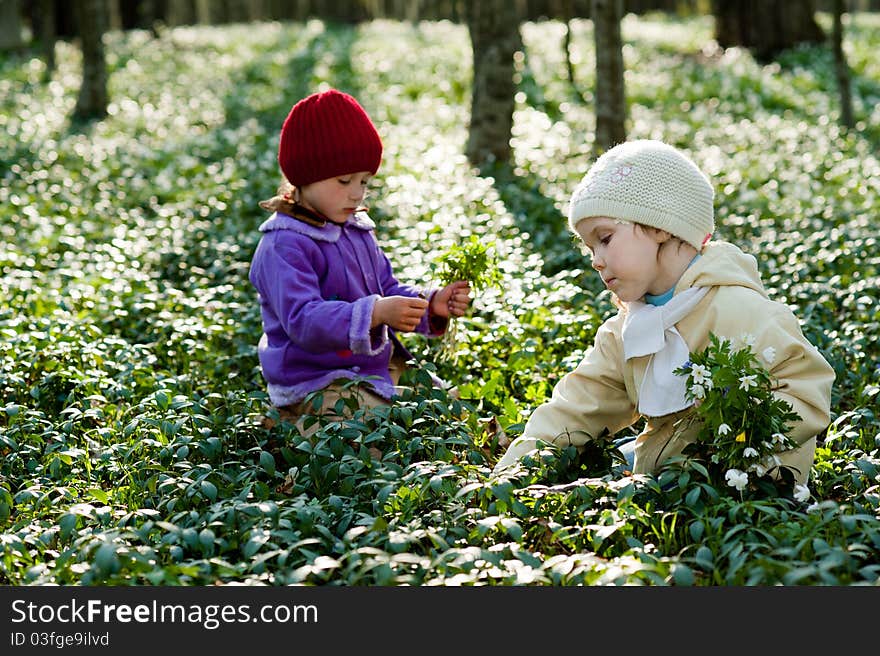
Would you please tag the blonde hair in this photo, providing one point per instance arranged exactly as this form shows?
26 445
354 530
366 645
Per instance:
283 201
286 201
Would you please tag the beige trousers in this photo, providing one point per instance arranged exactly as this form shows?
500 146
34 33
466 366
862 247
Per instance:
363 395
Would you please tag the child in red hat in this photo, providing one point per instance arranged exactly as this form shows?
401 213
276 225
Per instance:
331 305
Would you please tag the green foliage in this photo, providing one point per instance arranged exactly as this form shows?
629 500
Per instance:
137 445
473 260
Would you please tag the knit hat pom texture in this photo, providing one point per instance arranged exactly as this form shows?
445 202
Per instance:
327 134
651 183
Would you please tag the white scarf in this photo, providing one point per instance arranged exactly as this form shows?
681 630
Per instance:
650 330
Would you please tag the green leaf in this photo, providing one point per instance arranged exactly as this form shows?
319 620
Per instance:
207 538
99 494
208 489
682 575
267 462
704 558
106 560
67 523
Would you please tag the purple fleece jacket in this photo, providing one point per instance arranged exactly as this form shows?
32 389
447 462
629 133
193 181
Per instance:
317 287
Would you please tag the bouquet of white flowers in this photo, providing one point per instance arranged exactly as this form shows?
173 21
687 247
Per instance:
744 424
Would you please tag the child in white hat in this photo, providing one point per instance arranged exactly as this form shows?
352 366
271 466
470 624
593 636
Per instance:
645 213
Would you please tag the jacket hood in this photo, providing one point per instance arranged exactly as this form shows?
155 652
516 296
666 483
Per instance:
723 264
329 232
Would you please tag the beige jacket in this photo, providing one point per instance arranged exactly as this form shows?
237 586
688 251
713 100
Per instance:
602 392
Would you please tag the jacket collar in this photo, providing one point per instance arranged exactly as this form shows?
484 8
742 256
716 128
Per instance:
329 232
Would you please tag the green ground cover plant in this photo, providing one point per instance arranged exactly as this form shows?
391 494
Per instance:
133 443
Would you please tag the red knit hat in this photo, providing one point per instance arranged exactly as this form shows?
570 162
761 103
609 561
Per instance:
325 135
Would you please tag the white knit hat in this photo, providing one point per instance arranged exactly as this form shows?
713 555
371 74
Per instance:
651 183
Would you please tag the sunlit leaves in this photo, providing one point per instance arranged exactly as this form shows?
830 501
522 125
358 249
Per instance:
134 437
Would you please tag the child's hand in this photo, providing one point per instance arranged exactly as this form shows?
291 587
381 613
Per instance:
452 301
399 312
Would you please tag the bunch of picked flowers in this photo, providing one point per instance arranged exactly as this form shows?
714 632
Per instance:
744 425
475 260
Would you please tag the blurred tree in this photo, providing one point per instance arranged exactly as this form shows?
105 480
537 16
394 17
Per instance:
43 25
142 14
610 97
181 13
766 27
494 31
91 20
841 67
567 16
10 25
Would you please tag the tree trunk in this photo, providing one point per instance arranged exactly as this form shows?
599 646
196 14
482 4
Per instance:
766 28
495 37
152 14
42 18
204 15
91 17
181 13
237 11
841 67
566 47
10 25
610 95
568 15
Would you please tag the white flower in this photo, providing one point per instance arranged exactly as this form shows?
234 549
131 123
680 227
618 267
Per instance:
749 452
759 469
778 438
736 478
698 372
723 429
801 492
747 382
813 507
698 391
769 354
748 339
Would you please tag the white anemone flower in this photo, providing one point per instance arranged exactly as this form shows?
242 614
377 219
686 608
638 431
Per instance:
748 339
747 382
698 391
801 492
698 373
736 478
758 469
723 429
749 452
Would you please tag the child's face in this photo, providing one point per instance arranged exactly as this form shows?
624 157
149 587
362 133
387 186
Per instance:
337 197
626 256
